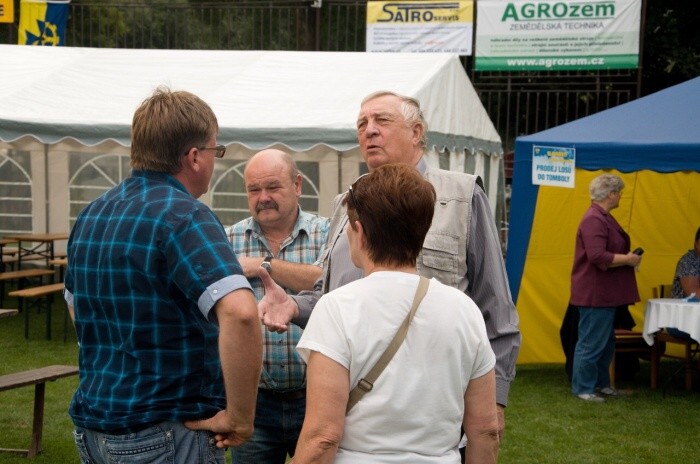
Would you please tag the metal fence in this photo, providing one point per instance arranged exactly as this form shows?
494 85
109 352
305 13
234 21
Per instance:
518 103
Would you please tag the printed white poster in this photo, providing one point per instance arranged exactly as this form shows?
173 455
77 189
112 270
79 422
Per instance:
553 166
556 35
420 27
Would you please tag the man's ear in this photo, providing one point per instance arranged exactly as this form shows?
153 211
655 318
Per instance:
191 160
298 181
418 133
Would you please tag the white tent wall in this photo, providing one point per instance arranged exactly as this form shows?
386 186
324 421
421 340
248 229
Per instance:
59 186
65 116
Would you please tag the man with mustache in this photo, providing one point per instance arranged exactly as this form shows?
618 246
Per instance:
288 243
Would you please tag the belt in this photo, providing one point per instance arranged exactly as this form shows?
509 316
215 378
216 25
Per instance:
284 395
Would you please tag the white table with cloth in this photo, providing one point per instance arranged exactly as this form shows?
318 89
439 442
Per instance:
671 312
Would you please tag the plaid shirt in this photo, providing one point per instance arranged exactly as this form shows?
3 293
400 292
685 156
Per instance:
283 369
146 264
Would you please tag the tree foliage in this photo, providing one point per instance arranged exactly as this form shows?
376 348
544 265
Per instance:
671 52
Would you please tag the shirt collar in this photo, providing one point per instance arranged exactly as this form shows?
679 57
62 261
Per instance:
160 177
422 165
302 224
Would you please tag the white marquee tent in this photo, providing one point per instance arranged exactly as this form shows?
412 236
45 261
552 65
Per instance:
65 116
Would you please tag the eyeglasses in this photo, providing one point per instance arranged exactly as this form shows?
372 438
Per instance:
352 194
220 150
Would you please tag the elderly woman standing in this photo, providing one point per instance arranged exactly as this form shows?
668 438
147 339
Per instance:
432 385
602 279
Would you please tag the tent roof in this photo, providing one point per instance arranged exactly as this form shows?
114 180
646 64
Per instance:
660 132
299 99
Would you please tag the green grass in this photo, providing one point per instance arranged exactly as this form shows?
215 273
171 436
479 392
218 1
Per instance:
545 423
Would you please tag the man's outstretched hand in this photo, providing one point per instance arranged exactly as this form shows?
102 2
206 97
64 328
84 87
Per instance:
276 309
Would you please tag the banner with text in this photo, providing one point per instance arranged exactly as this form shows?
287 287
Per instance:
555 35
7 11
553 166
42 22
420 26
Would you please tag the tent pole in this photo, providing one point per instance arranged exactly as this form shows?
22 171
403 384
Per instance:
46 188
340 172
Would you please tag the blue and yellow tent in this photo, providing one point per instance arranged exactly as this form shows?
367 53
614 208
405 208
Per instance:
653 143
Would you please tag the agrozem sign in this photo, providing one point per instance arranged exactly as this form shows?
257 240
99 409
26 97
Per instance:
556 35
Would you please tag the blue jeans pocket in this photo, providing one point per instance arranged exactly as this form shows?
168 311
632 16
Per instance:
155 448
166 442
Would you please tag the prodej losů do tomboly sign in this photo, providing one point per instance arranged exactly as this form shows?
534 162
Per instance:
553 166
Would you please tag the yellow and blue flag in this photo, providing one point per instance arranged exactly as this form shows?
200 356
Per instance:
43 22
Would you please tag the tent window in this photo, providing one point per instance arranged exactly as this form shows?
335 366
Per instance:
15 192
91 175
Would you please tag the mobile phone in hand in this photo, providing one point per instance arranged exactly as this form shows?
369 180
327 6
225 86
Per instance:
639 251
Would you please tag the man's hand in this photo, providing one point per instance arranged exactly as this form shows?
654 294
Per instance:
250 265
227 433
276 309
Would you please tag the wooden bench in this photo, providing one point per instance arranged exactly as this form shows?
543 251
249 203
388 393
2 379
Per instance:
44 295
15 259
38 378
8 312
20 277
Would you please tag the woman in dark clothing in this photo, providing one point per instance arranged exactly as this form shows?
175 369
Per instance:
602 279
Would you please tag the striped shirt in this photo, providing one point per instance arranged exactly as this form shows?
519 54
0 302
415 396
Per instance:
146 264
283 368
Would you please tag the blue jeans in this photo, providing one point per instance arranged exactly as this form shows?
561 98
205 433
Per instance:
278 423
166 442
594 350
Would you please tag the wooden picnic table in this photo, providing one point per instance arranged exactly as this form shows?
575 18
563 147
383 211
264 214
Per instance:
3 242
41 245
62 263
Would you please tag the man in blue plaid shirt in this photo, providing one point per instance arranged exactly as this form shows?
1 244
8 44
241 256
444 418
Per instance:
288 243
169 335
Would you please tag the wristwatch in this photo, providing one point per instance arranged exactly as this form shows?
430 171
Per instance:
267 264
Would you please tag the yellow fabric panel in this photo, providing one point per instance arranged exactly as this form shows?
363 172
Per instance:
660 213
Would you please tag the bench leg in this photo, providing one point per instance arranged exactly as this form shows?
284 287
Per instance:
49 305
38 425
26 317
